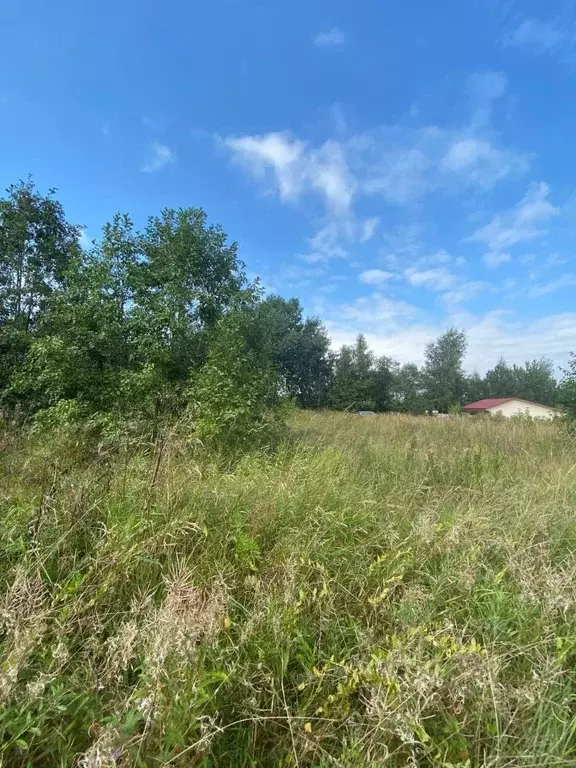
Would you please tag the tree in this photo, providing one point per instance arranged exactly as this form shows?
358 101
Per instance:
37 245
363 361
297 348
532 381
190 276
409 392
443 372
352 384
475 388
342 395
383 379
566 392
85 340
536 381
360 380
501 380
235 396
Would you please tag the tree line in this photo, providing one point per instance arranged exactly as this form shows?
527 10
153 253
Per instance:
157 321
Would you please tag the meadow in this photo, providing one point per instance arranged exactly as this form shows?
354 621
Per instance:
377 591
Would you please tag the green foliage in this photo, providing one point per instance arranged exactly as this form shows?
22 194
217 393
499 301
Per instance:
124 327
566 393
409 390
36 248
297 348
532 381
235 396
444 377
387 591
475 388
360 380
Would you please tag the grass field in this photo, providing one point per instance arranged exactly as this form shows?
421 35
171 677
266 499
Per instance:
383 591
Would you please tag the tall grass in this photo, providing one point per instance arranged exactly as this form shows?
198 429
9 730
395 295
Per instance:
383 591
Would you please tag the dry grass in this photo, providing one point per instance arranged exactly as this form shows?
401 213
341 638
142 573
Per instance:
383 591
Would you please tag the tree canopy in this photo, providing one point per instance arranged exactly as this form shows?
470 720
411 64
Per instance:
163 319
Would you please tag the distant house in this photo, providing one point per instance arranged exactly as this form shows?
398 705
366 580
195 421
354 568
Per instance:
511 406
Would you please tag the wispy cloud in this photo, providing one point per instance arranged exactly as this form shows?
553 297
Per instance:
484 89
439 279
330 38
398 164
375 276
564 281
522 223
463 292
293 169
158 158
330 242
369 227
538 36
483 163
455 289
402 331
495 258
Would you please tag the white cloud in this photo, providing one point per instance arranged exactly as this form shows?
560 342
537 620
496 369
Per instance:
399 163
563 281
522 223
377 310
484 88
495 258
296 169
439 279
555 260
375 276
440 257
329 39
483 164
330 242
402 332
463 292
369 227
537 35
158 158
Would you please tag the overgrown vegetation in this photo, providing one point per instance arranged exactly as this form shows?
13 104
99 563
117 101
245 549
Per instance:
128 327
193 572
392 591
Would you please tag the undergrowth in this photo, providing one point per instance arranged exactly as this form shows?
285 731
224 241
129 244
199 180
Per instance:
383 591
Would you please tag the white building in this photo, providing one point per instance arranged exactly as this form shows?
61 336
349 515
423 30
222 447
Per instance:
511 406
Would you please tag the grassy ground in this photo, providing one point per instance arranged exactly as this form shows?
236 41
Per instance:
384 591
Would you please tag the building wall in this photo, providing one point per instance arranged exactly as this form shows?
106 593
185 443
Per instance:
515 407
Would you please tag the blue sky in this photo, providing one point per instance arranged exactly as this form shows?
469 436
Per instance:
398 166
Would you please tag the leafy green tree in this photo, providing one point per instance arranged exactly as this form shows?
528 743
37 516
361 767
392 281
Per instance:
343 391
37 245
501 381
190 277
566 392
383 381
409 390
475 388
363 360
534 380
443 372
297 348
235 396
360 380
85 341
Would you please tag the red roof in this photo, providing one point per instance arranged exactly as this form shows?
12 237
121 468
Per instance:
490 402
